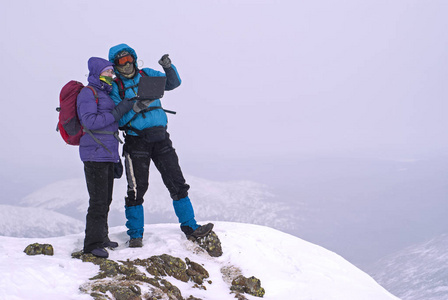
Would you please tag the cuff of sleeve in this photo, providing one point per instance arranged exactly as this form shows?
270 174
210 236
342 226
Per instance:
110 118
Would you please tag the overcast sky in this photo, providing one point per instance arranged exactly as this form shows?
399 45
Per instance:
262 80
259 77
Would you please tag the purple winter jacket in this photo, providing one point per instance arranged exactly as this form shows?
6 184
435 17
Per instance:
97 117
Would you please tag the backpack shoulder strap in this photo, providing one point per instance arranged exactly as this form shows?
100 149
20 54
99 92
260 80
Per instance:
120 85
95 94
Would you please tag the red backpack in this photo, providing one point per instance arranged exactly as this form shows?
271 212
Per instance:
69 125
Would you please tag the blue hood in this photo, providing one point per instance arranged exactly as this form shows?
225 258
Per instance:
121 47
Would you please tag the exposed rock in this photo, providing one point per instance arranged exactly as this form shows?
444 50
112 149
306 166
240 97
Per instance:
196 272
211 244
132 292
77 254
143 278
165 265
171 290
125 279
99 296
193 298
249 285
240 296
122 291
36 249
128 270
108 268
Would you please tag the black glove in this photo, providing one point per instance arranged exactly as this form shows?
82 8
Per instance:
165 61
141 105
122 108
118 169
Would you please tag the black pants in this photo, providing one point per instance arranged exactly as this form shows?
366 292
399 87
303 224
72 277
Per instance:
100 180
138 154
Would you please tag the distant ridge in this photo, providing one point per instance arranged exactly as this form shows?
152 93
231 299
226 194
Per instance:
419 272
235 201
34 222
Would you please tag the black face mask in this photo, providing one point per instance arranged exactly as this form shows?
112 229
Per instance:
128 70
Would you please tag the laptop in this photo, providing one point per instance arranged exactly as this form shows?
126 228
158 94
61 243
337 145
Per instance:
151 88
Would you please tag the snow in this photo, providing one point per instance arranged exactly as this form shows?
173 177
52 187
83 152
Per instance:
288 267
39 222
418 272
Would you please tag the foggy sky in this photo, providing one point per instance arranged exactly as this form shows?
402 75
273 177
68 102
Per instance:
264 81
259 77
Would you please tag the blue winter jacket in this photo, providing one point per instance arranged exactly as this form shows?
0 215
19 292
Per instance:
152 118
97 117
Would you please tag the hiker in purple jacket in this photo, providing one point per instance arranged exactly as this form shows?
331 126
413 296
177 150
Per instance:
98 149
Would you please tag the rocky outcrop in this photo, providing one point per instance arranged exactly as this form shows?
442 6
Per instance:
127 279
211 244
196 272
251 285
36 249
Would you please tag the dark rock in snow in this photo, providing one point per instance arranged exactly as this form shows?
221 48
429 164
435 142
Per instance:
211 244
126 276
121 291
36 249
108 268
240 296
127 279
196 272
250 286
165 265
171 290
193 298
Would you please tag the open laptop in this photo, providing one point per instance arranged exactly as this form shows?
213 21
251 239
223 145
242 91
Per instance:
151 88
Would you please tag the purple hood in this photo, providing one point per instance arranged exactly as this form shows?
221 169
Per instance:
96 65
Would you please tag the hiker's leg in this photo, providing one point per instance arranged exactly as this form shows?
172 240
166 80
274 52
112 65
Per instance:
135 221
185 214
167 162
97 185
110 188
137 155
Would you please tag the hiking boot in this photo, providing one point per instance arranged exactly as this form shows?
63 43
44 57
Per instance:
110 244
201 231
100 252
136 243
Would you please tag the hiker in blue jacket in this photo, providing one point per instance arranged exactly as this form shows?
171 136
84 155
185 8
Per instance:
146 139
98 149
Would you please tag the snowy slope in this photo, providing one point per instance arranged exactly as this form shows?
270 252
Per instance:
36 222
418 272
237 201
288 267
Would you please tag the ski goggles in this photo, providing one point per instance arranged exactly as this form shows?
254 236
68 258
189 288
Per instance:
124 60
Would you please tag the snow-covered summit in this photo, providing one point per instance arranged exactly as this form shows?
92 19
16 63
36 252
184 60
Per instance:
288 267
